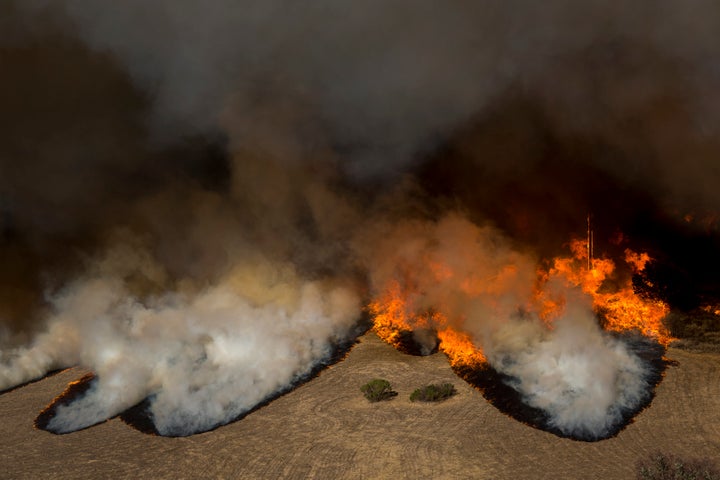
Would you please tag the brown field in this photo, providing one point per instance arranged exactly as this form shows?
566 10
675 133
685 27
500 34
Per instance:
326 429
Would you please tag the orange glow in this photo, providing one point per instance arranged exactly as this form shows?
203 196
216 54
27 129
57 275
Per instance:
392 315
620 307
459 348
636 260
403 305
706 221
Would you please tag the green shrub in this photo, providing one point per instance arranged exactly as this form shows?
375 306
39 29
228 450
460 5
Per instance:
661 466
433 393
378 389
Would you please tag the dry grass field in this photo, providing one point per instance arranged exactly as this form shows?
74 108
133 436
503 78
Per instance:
326 429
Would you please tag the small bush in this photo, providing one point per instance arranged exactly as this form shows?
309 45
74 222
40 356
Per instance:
433 393
378 389
661 466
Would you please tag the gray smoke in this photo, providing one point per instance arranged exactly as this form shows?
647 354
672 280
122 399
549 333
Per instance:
388 79
192 193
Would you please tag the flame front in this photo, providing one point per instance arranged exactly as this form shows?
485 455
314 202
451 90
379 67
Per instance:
619 306
392 315
413 303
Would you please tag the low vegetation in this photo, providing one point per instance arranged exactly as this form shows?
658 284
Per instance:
378 389
697 330
433 393
694 320
661 466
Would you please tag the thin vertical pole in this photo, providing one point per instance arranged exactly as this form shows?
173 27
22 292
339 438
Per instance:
589 243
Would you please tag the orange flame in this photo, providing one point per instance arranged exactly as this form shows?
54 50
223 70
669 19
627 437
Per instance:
400 305
621 308
392 315
460 349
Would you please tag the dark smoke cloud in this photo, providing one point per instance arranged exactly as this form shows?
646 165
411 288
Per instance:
221 167
384 83
389 79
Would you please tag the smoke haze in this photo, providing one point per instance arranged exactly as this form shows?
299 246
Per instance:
196 199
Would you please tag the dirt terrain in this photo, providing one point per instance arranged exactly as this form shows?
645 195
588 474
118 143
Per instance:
326 429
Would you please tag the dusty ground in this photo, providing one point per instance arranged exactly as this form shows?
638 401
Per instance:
326 429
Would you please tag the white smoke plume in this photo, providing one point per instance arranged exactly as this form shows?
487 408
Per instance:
203 358
583 378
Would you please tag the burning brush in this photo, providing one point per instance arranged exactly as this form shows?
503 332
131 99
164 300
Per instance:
560 347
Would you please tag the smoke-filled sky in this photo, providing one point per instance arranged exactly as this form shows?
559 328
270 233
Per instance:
196 185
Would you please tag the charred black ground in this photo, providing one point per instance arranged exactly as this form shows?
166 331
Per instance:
410 342
73 391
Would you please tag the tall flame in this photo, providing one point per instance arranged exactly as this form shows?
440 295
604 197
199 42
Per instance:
620 307
400 305
392 314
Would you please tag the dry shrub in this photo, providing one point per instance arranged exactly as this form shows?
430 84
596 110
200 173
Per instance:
663 466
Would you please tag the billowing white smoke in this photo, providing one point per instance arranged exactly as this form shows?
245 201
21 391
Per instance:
583 378
55 348
203 358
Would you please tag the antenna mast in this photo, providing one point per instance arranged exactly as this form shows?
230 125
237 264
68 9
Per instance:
590 242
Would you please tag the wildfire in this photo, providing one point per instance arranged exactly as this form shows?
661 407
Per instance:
621 308
459 348
713 309
402 306
392 315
